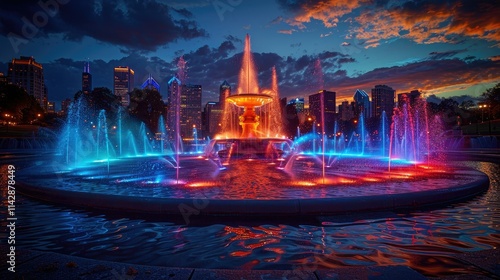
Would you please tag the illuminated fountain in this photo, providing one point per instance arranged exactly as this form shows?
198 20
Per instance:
142 195
249 168
249 121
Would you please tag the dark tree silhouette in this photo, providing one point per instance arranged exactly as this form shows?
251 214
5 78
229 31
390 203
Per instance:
15 101
146 106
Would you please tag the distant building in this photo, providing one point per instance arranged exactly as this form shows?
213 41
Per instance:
123 83
86 79
51 107
213 115
173 95
329 105
346 110
65 106
151 84
382 100
25 72
362 103
3 79
224 92
297 103
190 109
411 97
188 98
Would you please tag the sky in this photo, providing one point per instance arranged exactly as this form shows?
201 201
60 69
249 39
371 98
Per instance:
442 47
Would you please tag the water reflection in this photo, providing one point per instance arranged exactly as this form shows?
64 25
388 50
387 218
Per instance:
424 240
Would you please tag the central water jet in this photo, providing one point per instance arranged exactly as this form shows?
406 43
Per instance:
248 96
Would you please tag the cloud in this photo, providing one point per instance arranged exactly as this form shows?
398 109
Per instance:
425 22
287 31
445 54
433 76
138 25
495 58
298 76
233 39
325 34
327 11
184 12
277 20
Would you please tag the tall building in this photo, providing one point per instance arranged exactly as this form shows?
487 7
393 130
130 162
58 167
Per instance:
346 111
3 79
51 107
188 98
123 83
213 111
329 105
224 92
173 95
298 104
383 100
86 79
151 84
411 97
65 106
213 115
190 110
362 103
25 72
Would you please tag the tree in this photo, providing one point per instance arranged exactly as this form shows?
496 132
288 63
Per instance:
146 106
15 101
492 98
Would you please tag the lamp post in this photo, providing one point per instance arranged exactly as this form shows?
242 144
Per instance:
482 107
482 112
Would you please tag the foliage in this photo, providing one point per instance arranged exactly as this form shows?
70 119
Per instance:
15 101
146 106
492 98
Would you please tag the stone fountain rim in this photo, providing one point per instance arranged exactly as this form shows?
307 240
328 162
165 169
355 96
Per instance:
253 207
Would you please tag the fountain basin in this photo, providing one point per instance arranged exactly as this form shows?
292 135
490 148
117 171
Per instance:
249 99
252 187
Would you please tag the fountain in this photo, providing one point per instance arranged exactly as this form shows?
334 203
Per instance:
249 120
250 169
133 195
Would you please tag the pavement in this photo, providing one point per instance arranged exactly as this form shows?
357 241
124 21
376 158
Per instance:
31 264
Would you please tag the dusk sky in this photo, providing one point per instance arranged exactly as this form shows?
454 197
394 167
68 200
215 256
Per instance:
439 47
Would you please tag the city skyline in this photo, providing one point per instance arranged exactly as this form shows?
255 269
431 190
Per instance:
440 47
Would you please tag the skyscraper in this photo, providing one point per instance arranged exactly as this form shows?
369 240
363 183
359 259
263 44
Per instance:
123 83
86 79
383 100
410 97
213 114
188 99
190 110
65 106
25 72
362 103
346 111
151 84
329 105
224 92
173 104
3 79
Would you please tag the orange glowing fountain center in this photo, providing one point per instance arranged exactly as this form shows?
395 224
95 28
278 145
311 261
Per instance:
249 120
